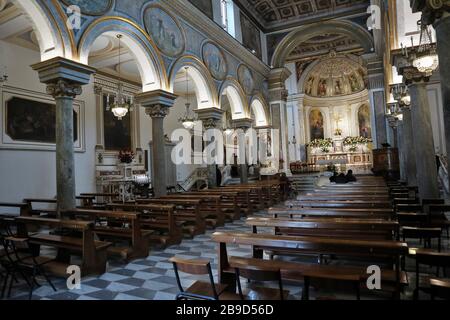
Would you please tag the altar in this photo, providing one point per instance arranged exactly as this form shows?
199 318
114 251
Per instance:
350 153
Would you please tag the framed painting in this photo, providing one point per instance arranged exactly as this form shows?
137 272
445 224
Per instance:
251 36
316 125
364 122
117 133
29 121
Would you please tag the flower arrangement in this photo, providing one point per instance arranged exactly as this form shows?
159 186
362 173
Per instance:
126 156
321 143
353 141
338 132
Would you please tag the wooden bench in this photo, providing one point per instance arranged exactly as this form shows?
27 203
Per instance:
23 208
210 206
92 252
342 204
101 199
158 218
116 226
342 197
332 213
185 210
85 201
233 203
370 249
337 228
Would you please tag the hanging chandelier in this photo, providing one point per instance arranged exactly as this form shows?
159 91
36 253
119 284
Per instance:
189 118
122 103
424 57
400 93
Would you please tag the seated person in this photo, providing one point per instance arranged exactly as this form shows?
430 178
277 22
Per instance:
333 177
350 177
341 179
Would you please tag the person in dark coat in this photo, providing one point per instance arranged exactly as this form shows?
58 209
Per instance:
333 177
350 177
218 176
341 179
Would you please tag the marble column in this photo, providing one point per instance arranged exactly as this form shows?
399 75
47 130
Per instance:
409 147
243 124
423 139
437 13
278 110
211 119
157 105
64 79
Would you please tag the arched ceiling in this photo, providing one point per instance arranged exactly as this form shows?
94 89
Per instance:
323 44
276 14
335 75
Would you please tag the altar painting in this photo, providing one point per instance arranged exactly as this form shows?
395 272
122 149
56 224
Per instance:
365 129
316 124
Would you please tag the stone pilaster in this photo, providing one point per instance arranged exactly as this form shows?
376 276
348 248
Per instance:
377 97
64 79
278 109
157 105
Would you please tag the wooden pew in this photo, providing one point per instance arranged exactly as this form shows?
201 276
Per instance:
233 202
23 208
93 252
116 226
343 197
356 248
101 199
186 210
386 214
364 229
156 217
85 201
210 206
342 204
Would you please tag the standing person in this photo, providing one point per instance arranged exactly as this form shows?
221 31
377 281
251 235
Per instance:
218 176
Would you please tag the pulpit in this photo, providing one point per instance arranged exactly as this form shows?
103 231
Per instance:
386 163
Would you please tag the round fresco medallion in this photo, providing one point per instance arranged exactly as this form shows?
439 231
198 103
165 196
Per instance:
215 61
91 7
245 77
163 29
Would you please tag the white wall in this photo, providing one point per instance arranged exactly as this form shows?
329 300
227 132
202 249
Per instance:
25 174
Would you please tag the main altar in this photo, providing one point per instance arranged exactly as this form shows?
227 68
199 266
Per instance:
350 153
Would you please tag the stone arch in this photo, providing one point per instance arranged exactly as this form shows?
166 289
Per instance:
51 42
148 60
235 94
205 88
259 107
301 34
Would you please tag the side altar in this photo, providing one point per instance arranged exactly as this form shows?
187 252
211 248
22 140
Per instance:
350 153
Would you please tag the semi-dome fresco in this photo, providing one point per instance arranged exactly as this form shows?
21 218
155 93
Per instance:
335 76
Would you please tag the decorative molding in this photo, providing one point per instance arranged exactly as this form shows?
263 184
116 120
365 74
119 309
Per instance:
63 89
157 111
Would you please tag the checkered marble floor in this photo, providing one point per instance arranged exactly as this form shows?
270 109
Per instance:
153 278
